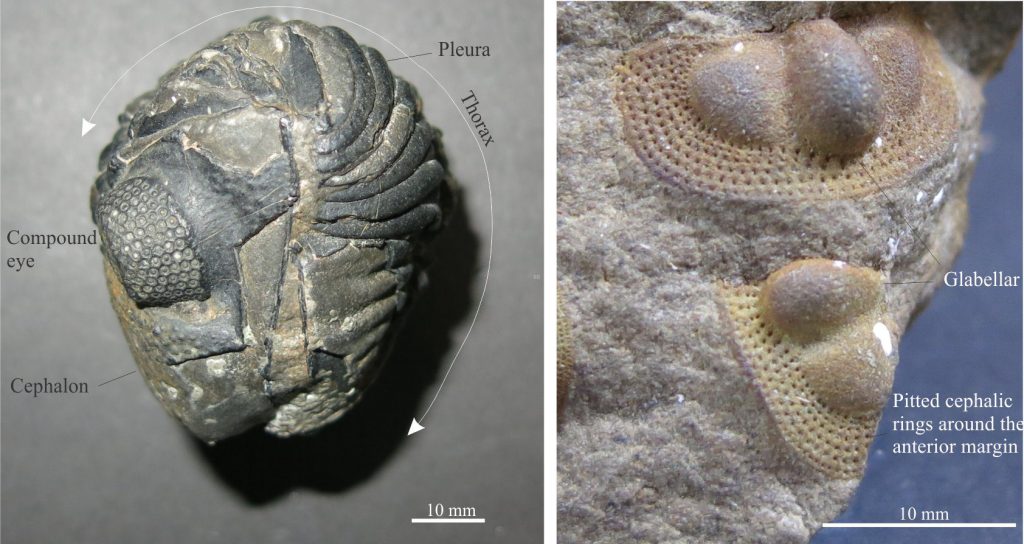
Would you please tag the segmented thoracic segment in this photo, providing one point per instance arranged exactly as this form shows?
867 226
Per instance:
377 154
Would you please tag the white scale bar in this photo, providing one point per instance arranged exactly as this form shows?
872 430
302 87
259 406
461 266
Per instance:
447 520
921 525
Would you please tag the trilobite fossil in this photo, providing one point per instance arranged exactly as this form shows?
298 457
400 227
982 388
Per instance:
262 212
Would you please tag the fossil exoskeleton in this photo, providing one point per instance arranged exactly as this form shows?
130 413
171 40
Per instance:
261 213
824 110
818 344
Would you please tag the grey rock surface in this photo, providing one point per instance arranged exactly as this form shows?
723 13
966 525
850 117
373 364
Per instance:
664 437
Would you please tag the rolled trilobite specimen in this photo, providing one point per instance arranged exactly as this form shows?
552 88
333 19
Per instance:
261 214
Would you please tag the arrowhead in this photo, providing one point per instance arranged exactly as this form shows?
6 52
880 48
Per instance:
86 126
415 427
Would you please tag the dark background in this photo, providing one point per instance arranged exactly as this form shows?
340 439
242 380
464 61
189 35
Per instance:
111 466
966 341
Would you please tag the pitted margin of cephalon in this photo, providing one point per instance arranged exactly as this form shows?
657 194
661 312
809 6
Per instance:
835 443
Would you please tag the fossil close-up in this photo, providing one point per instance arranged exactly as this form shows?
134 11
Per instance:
262 213
754 201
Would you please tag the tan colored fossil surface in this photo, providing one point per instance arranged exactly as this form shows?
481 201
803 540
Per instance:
565 358
745 194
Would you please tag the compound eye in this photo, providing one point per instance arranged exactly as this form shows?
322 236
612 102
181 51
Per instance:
150 244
